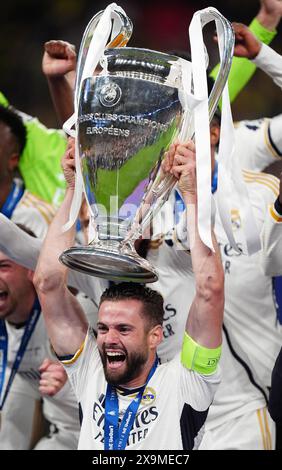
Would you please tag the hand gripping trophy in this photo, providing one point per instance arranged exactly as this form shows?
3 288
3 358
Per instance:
130 105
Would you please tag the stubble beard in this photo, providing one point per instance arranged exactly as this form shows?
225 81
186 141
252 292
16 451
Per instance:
134 365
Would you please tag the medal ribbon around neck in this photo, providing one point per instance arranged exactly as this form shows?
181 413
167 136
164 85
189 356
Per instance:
116 436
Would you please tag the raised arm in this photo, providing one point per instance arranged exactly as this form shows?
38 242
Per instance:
263 27
270 62
65 320
269 14
58 65
205 318
24 250
259 142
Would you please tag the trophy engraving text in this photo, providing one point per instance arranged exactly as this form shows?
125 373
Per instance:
138 120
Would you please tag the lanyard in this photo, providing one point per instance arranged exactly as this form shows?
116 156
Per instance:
179 206
30 326
13 198
214 177
116 436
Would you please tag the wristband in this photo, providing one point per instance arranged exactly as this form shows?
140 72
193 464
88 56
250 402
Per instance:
198 358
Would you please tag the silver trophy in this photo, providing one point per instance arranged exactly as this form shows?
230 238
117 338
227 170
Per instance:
128 115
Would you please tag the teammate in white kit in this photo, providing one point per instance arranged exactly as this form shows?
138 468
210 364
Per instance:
259 141
238 418
22 406
172 400
24 346
16 202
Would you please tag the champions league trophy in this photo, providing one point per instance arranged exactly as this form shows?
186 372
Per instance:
127 116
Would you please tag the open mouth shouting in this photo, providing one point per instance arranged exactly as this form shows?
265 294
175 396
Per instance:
114 358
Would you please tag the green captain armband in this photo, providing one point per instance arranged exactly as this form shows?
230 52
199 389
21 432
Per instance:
198 358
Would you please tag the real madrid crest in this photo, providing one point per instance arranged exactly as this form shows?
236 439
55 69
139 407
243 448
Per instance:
110 94
235 219
148 396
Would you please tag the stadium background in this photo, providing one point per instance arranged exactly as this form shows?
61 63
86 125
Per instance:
158 24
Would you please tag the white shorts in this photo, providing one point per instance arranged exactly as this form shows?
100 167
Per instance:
252 431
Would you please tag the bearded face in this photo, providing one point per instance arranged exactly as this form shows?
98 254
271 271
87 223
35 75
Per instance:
122 340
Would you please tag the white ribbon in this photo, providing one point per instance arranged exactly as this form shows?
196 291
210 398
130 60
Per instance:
101 31
202 130
225 193
231 185
187 100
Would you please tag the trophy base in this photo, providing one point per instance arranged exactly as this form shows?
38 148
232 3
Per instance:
110 264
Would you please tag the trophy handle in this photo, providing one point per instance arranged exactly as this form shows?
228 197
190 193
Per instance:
115 21
207 15
120 40
160 189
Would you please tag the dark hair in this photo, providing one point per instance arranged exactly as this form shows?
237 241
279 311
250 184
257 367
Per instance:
152 300
15 124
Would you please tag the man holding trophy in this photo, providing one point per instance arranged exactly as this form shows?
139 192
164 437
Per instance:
126 118
108 373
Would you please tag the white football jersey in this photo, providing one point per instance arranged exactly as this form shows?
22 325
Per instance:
34 214
250 310
171 413
252 336
270 62
256 144
176 283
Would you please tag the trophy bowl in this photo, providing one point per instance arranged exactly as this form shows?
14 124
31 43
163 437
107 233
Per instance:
128 115
126 118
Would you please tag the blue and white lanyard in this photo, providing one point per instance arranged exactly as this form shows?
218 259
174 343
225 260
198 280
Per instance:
116 436
29 328
214 177
13 198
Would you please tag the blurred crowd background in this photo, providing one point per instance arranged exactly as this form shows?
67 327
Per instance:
158 24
